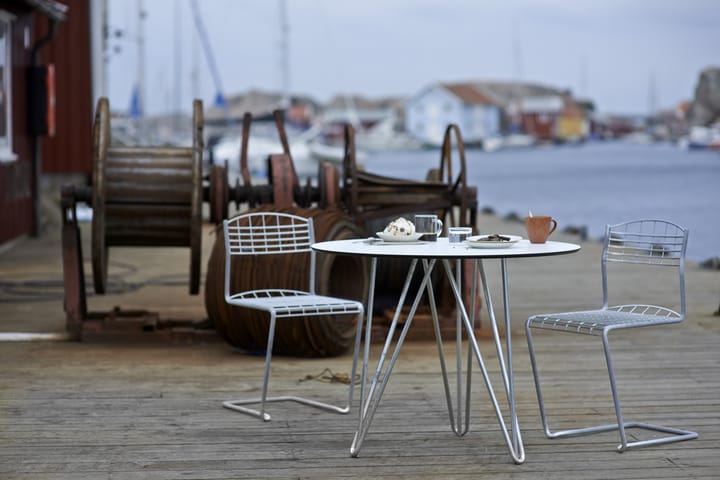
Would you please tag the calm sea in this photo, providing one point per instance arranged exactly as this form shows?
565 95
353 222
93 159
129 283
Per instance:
589 185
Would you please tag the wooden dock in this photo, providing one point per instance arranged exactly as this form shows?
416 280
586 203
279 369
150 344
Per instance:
93 410
88 411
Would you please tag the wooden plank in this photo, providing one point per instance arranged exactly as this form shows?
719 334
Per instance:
80 411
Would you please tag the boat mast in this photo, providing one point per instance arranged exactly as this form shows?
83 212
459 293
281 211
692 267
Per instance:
141 60
177 64
285 55
210 57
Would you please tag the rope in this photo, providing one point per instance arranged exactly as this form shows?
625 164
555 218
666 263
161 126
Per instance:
327 376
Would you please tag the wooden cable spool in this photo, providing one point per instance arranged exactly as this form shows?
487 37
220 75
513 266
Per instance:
145 196
337 275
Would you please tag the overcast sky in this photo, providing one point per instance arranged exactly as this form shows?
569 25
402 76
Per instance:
626 55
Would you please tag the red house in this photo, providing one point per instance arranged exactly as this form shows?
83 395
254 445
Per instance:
539 116
45 104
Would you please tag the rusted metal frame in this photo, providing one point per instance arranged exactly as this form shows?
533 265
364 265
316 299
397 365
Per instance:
395 210
282 183
374 179
74 302
350 174
328 186
280 125
116 324
362 190
244 170
461 180
217 193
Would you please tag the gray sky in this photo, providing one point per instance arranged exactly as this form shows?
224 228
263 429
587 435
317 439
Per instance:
626 55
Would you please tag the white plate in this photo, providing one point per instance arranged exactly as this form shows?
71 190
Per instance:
477 241
405 238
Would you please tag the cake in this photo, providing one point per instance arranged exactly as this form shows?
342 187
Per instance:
400 227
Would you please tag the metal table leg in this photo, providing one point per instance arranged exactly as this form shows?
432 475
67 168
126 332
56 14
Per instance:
458 425
513 438
369 405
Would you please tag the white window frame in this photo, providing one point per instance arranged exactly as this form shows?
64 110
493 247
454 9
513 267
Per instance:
6 151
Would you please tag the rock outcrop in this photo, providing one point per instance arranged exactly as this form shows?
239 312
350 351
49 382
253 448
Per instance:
705 108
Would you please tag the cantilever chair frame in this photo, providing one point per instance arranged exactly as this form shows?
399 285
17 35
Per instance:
272 233
641 242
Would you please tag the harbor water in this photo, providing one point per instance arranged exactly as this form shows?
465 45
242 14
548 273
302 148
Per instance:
589 185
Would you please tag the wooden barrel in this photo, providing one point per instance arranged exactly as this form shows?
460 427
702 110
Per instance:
337 275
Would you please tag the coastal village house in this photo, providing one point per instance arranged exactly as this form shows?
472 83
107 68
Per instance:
428 113
553 118
487 109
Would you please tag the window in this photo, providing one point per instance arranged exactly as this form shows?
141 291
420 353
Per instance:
6 153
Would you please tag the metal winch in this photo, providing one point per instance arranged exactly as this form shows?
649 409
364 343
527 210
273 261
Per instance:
152 196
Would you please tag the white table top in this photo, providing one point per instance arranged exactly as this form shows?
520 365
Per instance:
442 249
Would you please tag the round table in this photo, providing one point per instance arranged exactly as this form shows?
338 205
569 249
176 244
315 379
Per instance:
429 253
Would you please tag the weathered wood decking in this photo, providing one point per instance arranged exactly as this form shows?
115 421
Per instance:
92 410
86 411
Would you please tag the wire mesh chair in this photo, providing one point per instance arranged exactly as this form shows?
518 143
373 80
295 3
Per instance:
271 233
655 243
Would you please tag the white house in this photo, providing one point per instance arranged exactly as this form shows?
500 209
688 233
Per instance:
430 111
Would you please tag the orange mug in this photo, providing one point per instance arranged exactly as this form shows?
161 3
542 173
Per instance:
539 228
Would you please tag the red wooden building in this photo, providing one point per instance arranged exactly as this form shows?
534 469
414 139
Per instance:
46 102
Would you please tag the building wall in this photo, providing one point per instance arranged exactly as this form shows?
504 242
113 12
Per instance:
539 125
479 122
428 114
69 151
16 205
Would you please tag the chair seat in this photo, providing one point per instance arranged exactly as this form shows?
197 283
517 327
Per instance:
294 303
594 322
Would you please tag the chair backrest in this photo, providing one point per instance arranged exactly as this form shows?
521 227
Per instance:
646 242
268 233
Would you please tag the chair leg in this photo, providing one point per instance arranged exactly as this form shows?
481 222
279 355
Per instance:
238 405
677 434
543 414
536 377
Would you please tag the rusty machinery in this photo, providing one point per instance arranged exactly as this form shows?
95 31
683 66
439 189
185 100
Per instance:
152 196
364 196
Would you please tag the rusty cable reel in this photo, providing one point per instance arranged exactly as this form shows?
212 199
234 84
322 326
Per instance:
145 196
